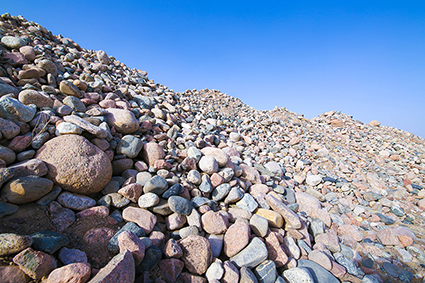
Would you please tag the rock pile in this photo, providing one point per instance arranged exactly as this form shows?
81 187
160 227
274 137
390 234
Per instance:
107 176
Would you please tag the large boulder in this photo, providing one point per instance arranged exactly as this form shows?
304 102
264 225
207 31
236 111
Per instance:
75 164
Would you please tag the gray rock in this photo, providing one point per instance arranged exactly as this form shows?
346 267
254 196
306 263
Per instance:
48 241
205 185
317 226
7 88
259 225
13 42
298 275
14 110
7 209
397 272
75 103
214 272
247 276
180 205
157 185
266 272
318 273
130 146
348 264
247 203
174 190
220 192
194 153
234 195
252 255
50 196
75 202
216 242
148 200
7 155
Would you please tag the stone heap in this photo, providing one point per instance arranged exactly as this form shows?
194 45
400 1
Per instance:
107 176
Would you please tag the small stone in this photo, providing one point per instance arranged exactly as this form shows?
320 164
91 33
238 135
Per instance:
266 272
252 255
145 219
318 273
234 195
75 202
214 272
48 241
197 254
330 240
194 177
247 203
292 220
7 209
113 245
172 249
132 191
208 164
220 192
298 275
148 200
206 185
174 190
26 189
320 258
13 42
7 155
175 221
68 88
129 146
157 185
13 274
15 111
247 276
214 223
259 225
274 219
68 256
11 243
129 241
180 205
35 264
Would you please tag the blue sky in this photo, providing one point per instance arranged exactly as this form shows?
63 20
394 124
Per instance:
364 58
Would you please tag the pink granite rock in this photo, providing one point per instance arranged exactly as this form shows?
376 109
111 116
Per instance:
35 264
129 241
236 238
71 273
214 223
121 268
197 254
142 217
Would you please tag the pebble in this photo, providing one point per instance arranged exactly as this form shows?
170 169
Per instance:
252 255
157 185
148 200
318 273
74 272
197 254
259 225
35 264
247 203
68 256
129 146
128 240
48 241
266 272
75 202
11 243
298 275
180 205
214 272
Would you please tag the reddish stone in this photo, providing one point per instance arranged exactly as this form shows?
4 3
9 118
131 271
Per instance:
236 238
275 250
121 268
216 180
170 269
71 273
162 164
190 278
172 249
197 254
142 217
157 238
129 241
214 223
151 152
20 143
102 211
132 191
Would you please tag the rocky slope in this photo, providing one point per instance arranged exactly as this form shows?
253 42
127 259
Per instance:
107 176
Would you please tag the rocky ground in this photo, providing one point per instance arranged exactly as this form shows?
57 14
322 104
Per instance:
107 176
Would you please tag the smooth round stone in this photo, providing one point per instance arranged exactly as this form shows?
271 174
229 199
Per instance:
157 185
220 192
129 146
298 275
208 164
48 241
180 205
69 89
115 199
75 202
13 42
216 242
397 272
64 110
266 272
7 209
148 200
11 243
26 189
398 211
54 193
247 203
348 264
234 195
174 190
194 177
318 273
111 187
7 155
214 272
39 99
25 155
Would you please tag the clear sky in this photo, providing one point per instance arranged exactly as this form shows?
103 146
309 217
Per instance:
364 58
